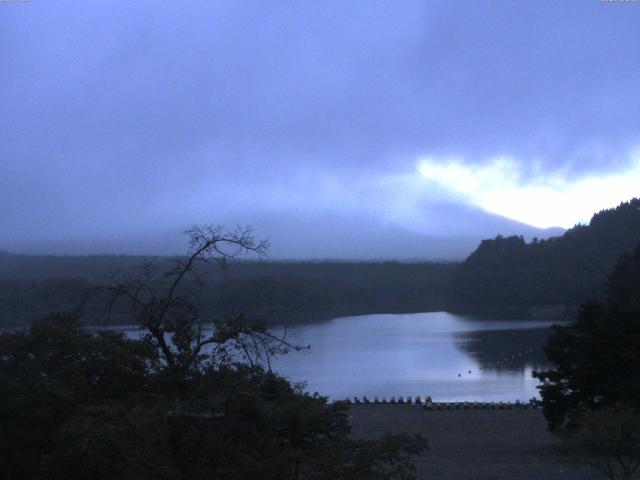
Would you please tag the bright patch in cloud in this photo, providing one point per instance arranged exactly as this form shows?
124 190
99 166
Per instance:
501 186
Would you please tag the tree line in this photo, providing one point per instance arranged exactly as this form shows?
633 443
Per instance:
566 270
276 291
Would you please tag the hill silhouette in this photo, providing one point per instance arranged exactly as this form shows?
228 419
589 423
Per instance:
510 273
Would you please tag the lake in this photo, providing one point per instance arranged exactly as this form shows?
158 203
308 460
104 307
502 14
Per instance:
449 357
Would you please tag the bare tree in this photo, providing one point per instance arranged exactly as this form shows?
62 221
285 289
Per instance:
155 298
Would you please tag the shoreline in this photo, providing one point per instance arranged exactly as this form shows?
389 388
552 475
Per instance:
428 404
275 318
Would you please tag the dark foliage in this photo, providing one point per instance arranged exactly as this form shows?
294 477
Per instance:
75 405
566 270
608 440
596 359
277 291
182 402
48 376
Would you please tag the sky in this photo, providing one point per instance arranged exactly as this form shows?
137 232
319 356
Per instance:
371 129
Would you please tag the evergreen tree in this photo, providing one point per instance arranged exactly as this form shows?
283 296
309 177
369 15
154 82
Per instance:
596 359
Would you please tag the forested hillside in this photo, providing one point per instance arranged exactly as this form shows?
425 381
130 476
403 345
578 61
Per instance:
274 291
508 272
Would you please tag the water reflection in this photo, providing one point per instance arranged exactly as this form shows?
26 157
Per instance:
438 354
446 356
506 350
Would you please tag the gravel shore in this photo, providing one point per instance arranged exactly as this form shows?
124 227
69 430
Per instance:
474 444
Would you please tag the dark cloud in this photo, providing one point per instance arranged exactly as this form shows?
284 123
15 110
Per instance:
144 116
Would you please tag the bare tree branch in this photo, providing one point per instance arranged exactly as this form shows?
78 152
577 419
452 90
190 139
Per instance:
155 302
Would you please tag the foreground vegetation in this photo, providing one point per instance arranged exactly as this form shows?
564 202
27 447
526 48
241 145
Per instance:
591 397
177 403
76 406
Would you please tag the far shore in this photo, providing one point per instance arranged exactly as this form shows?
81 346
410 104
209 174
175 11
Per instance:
293 318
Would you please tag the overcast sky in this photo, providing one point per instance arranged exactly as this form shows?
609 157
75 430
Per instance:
324 124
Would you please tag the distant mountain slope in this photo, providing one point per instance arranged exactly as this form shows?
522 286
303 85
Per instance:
448 231
565 270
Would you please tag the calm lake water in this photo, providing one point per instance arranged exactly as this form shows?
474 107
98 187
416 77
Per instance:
450 357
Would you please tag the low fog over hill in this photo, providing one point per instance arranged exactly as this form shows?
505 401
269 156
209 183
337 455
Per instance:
456 233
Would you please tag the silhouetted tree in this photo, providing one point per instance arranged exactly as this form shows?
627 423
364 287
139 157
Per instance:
182 402
594 359
156 299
